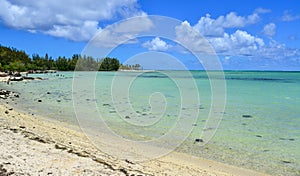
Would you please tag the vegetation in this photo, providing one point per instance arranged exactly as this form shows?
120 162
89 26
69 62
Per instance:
12 59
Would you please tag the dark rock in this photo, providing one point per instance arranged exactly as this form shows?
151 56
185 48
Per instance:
58 100
10 109
286 162
247 116
22 127
199 140
39 100
4 172
258 136
28 78
194 124
48 93
105 104
6 112
127 117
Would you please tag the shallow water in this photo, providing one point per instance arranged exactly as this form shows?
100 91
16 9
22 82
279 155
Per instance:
260 128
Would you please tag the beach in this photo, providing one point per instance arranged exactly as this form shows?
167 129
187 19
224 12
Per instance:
33 145
40 113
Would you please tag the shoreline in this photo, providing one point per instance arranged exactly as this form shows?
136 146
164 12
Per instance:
34 138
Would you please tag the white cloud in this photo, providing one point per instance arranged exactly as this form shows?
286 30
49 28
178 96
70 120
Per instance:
76 20
262 10
269 29
288 17
208 26
156 44
238 43
191 39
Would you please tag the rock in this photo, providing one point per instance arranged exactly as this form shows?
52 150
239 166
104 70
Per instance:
58 146
48 93
286 162
18 78
127 117
28 78
258 136
58 101
39 100
194 124
198 140
6 112
247 116
10 109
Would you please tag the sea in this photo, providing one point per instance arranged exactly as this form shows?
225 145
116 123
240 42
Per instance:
250 119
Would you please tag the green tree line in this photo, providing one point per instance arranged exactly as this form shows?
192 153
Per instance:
12 59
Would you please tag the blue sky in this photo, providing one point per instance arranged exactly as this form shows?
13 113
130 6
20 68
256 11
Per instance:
246 35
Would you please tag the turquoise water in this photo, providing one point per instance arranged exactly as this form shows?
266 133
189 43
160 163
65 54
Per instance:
260 128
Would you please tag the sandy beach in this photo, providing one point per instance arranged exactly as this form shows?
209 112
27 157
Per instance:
33 145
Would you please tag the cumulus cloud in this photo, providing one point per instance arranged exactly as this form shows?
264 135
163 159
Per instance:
191 39
269 29
75 20
237 43
156 44
208 26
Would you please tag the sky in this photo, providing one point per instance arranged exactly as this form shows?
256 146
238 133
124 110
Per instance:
244 35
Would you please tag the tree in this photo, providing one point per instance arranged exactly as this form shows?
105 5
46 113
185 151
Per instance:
109 64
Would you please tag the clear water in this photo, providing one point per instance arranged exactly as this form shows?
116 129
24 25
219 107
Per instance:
268 141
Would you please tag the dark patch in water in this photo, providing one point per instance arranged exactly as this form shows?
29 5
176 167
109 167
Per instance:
247 116
287 139
261 79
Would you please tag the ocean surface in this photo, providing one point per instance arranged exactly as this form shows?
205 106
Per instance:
259 128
